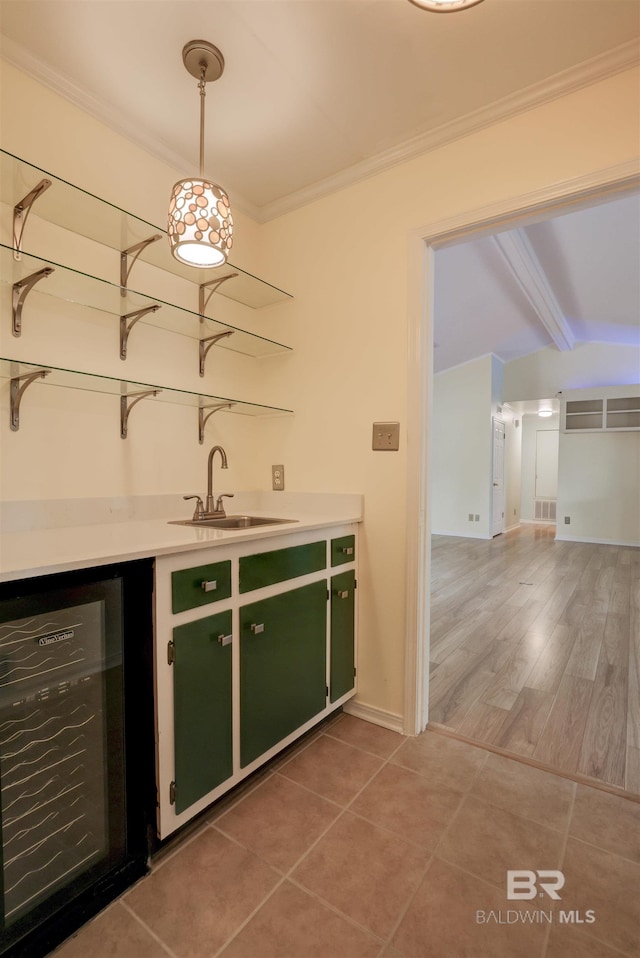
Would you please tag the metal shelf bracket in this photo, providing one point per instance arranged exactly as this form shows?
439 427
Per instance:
206 344
21 290
134 252
21 212
126 407
202 419
128 321
211 286
17 391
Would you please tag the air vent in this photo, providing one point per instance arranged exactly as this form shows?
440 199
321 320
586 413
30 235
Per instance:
545 510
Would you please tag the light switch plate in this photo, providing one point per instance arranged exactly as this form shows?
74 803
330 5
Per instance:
277 478
386 435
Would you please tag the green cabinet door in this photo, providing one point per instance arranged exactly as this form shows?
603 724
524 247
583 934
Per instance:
202 707
282 666
342 634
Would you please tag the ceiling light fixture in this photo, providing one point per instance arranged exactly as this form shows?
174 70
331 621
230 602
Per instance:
545 409
200 221
445 6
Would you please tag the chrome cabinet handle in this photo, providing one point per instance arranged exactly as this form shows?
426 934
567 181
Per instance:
257 628
225 639
348 550
209 586
342 595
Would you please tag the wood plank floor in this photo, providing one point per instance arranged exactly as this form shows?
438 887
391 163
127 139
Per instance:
535 648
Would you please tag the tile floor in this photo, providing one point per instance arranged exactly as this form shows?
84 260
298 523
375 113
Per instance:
365 844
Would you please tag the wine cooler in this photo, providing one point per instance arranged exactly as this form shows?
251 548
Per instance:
76 748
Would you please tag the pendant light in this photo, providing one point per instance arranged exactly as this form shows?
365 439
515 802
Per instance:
445 6
200 222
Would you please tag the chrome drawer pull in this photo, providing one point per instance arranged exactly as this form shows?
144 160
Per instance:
257 628
210 586
342 595
225 639
348 550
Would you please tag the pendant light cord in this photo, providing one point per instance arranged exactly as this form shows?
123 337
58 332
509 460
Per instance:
201 87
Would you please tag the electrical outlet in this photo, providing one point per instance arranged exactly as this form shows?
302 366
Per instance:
567 520
477 518
386 435
470 517
277 478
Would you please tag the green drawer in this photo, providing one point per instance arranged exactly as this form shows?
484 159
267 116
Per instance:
265 568
343 550
201 585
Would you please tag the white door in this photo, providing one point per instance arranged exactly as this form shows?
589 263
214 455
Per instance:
547 441
498 478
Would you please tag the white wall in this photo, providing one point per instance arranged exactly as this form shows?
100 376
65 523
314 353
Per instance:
598 483
461 450
345 260
543 374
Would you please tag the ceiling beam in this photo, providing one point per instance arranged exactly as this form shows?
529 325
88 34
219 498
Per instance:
525 266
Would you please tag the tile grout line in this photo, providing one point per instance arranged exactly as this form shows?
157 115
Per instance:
432 857
561 858
149 930
286 876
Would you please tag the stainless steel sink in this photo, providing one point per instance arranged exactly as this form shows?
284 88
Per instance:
231 522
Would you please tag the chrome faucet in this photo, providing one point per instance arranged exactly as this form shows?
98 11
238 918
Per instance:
215 508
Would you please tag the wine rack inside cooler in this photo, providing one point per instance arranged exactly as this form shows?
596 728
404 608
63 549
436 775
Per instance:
53 752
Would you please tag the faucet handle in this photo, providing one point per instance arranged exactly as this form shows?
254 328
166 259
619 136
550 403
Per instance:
219 505
199 510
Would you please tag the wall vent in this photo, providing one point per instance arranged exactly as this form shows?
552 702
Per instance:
544 510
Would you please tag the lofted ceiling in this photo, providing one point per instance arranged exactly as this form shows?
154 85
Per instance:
317 94
568 280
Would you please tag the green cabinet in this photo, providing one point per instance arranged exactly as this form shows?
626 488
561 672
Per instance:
267 568
342 674
201 585
201 657
282 666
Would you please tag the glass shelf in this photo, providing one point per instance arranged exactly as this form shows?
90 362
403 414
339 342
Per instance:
12 370
82 289
81 212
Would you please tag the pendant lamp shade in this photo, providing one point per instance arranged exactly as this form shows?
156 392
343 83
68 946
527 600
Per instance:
444 6
200 225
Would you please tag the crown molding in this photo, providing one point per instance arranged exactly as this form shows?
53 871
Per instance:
598 68
601 67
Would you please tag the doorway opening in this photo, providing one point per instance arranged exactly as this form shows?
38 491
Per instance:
426 245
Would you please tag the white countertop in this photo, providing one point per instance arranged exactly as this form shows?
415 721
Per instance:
27 551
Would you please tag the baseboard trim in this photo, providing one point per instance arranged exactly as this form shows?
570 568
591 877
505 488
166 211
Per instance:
461 535
598 542
533 763
369 713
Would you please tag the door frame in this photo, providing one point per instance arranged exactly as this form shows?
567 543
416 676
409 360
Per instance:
423 242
